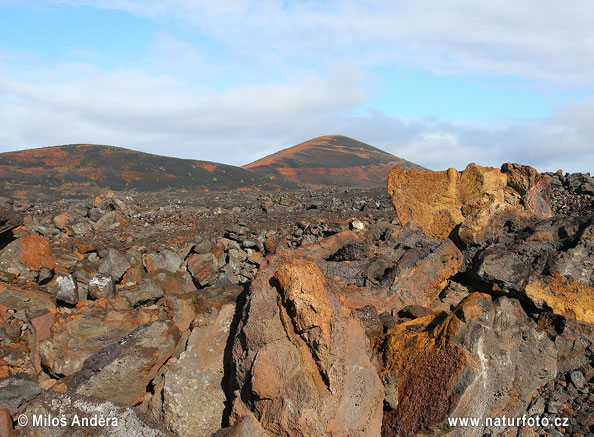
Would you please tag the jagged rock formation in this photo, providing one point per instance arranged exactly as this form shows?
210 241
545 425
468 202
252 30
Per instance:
300 361
311 313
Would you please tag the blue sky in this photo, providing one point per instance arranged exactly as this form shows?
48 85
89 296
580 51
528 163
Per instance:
231 81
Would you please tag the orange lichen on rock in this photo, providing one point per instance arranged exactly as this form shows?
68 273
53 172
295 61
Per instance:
565 296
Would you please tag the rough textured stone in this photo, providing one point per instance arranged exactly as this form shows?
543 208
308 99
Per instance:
435 199
30 252
15 391
300 361
165 259
486 358
193 400
9 218
438 201
101 285
548 264
147 292
114 263
111 220
203 268
130 422
91 326
121 371
64 287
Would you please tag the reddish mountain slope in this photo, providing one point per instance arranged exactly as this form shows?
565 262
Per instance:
331 160
79 169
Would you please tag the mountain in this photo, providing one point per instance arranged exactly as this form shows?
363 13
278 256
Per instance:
331 160
77 169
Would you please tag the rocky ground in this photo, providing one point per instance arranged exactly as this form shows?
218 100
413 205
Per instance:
330 312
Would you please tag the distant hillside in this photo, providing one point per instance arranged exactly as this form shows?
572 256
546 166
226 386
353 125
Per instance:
79 169
331 160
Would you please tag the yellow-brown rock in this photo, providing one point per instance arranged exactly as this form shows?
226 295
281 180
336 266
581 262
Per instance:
565 296
440 200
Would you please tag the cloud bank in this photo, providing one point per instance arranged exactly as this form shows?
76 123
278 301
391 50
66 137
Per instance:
275 73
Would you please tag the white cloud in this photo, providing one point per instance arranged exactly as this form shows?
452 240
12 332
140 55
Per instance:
539 39
333 43
160 114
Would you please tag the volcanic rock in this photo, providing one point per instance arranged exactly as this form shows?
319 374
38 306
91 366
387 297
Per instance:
193 400
26 254
166 259
203 268
64 287
101 285
298 358
9 218
15 391
91 326
120 372
129 421
484 357
114 263
438 201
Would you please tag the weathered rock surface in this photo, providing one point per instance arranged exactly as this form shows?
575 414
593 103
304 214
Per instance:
121 371
438 201
15 391
64 287
485 358
547 264
27 254
190 398
114 263
128 421
334 267
9 217
101 285
300 360
77 336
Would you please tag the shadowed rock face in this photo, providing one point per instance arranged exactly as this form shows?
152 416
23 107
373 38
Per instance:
301 366
331 160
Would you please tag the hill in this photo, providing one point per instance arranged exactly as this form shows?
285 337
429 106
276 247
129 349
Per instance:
331 160
78 169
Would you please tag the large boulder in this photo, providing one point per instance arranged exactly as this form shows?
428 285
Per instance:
122 371
439 201
547 264
26 317
27 254
91 326
190 397
484 359
301 362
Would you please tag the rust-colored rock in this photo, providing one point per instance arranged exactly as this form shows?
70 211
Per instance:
485 358
435 199
301 362
121 371
91 326
30 252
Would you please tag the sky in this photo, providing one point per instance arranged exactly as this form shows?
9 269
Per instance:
439 83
